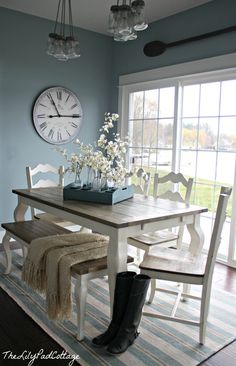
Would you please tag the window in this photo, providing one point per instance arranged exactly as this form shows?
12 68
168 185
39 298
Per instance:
208 130
188 125
150 126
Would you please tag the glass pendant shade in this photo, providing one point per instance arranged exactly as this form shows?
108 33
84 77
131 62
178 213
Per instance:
124 26
72 48
139 18
61 46
112 23
51 44
125 19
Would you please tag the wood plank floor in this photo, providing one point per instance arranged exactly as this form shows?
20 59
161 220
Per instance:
18 332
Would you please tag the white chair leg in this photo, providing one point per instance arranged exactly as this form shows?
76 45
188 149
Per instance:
6 245
81 290
152 290
205 303
186 290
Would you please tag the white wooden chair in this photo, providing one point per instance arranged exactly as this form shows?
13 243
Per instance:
165 237
185 267
45 175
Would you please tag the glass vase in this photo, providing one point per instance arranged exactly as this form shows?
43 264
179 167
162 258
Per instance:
77 182
99 182
89 174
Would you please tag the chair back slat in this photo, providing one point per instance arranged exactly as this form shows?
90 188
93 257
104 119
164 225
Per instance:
44 168
175 179
45 183
172 196
37 177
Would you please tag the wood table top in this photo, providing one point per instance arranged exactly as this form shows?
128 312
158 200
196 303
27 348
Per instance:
136 210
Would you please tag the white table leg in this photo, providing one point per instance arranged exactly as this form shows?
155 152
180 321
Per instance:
197 236
20 210
116 259
196 245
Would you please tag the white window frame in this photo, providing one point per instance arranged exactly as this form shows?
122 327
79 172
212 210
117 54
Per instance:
210 69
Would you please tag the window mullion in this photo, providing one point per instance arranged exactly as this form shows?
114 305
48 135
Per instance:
177 128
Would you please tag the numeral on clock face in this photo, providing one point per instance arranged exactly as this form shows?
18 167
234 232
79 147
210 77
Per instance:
59 137
50 134
59 94
50 97
73 124
43 105
43 126
67 98
73 106
68 132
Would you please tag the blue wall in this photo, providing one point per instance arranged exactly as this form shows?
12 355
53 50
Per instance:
26 70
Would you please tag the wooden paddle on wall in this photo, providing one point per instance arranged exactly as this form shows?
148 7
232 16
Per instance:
156 48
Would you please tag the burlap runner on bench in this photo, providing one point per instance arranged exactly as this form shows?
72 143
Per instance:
47 266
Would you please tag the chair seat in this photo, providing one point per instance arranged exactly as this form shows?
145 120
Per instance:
154 238
180 262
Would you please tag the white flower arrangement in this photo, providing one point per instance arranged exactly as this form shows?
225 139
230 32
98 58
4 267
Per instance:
106 157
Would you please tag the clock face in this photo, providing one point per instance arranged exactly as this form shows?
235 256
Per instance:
57 115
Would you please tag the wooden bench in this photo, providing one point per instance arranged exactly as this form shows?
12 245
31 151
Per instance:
24 232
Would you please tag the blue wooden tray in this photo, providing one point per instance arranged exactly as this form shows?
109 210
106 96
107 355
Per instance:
109 196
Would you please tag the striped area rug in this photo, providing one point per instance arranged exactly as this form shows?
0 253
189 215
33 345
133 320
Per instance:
160 343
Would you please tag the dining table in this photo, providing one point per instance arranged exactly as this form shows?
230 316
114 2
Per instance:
134 216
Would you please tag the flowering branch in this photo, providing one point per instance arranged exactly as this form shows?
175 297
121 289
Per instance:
106 156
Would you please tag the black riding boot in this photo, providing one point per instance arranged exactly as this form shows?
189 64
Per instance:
128 328
124 281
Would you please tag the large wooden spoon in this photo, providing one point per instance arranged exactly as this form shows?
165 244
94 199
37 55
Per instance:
156 48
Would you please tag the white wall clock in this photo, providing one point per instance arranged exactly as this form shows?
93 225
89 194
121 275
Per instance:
57 115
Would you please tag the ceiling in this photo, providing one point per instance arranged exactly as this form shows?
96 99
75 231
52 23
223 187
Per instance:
93 14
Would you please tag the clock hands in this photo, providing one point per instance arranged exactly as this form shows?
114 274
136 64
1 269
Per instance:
65 115
53 103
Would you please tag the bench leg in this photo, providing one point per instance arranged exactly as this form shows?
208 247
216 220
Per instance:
24 252
6 245
81 290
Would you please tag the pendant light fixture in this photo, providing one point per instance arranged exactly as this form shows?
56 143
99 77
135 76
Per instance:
62 43
126 18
